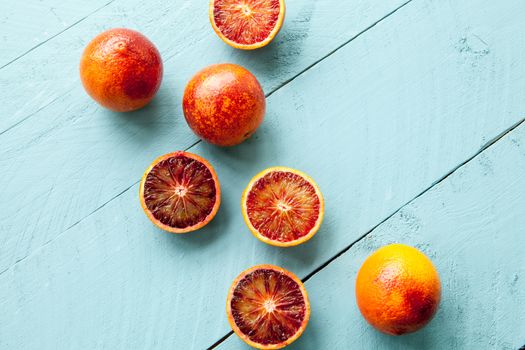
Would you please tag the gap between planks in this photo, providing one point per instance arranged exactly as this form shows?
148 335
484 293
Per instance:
486 146
288 81
57 34
35 112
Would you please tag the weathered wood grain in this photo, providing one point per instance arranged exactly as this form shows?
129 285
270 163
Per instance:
472 227
375 124
71 157
25 26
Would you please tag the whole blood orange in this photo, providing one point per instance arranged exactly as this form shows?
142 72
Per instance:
121 69
282 206
268 307
180 192
398 289
247 24
224 104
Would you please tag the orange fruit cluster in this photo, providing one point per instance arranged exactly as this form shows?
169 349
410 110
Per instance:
397 287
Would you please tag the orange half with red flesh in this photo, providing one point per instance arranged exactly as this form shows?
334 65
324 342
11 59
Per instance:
180 192
247 24
268 307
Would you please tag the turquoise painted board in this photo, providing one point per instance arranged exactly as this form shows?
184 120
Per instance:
26 26
471 225
394 110
68 141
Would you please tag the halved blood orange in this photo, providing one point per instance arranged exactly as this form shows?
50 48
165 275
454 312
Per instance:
247 24
282 206
180 192
268 307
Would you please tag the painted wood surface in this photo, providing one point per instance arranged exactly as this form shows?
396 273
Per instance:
71 157
472 226
375 123
26 27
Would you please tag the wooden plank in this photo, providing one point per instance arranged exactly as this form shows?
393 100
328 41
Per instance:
48 76
71 157
472 227
375 124
28 24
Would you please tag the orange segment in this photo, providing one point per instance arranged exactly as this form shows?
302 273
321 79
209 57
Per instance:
247 24
283 206
268 307
180 192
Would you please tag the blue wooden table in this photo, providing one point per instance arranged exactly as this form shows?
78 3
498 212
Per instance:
408 114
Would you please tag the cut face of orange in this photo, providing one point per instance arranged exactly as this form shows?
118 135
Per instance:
268 307
282 206
247 24
180 192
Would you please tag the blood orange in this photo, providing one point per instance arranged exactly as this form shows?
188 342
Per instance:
224 104
247 24
121 69
268 307
180 192
398 289
282 206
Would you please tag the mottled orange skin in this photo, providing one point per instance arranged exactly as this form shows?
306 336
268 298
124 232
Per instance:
224 104
121 69
398 289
